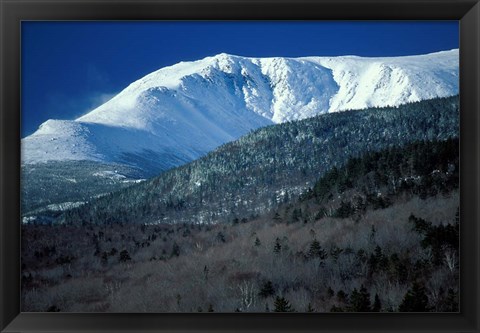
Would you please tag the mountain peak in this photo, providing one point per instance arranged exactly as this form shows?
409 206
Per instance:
181 112
224 55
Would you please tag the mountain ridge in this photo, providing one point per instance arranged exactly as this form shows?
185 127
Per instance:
255 173
180 112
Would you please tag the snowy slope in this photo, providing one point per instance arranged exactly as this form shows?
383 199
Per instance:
179 113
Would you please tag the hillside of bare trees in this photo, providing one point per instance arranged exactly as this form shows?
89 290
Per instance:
380 234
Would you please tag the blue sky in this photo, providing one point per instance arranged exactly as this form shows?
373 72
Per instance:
69 68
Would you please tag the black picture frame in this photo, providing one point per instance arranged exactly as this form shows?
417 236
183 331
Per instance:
14 11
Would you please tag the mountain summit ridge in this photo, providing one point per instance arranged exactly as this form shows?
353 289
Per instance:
180 112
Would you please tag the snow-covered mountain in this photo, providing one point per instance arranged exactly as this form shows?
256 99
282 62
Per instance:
178 113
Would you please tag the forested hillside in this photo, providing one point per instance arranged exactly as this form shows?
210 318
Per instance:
272 165
378 234
377 179
59 183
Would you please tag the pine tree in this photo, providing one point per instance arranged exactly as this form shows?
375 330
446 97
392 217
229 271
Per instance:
373 232
377 305
335 308
380 259
175 250
277 218
53 308
310 308
316 251
335 252
282 305
277 247
345 210
330 292
360 300
415 300
220 237
296 215
451 304
104 258
267 290
420 225
257 242
342 296
124 256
